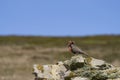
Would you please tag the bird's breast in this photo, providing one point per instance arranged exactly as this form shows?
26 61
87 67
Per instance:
69 48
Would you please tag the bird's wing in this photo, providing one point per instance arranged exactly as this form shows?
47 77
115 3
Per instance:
76 49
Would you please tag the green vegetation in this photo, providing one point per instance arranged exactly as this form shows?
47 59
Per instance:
60 41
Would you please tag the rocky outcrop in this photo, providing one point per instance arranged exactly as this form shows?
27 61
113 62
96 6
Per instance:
77 68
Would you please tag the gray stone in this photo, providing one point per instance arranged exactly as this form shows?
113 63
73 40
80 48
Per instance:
77 68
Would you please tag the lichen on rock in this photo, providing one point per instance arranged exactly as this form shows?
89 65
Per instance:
77 68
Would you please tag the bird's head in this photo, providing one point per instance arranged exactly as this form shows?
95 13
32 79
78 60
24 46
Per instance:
70 43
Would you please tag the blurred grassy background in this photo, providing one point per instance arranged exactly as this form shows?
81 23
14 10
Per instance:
19 53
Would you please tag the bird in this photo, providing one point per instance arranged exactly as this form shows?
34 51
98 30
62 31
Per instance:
74 49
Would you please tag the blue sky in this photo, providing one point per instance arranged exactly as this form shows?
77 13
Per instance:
59 17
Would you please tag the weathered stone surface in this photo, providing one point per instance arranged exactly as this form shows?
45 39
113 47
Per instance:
55 72
77 68
79 78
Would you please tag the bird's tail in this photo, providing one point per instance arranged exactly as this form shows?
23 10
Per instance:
86 54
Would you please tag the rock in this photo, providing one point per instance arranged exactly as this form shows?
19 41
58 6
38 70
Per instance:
79 78
77 68
49 71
